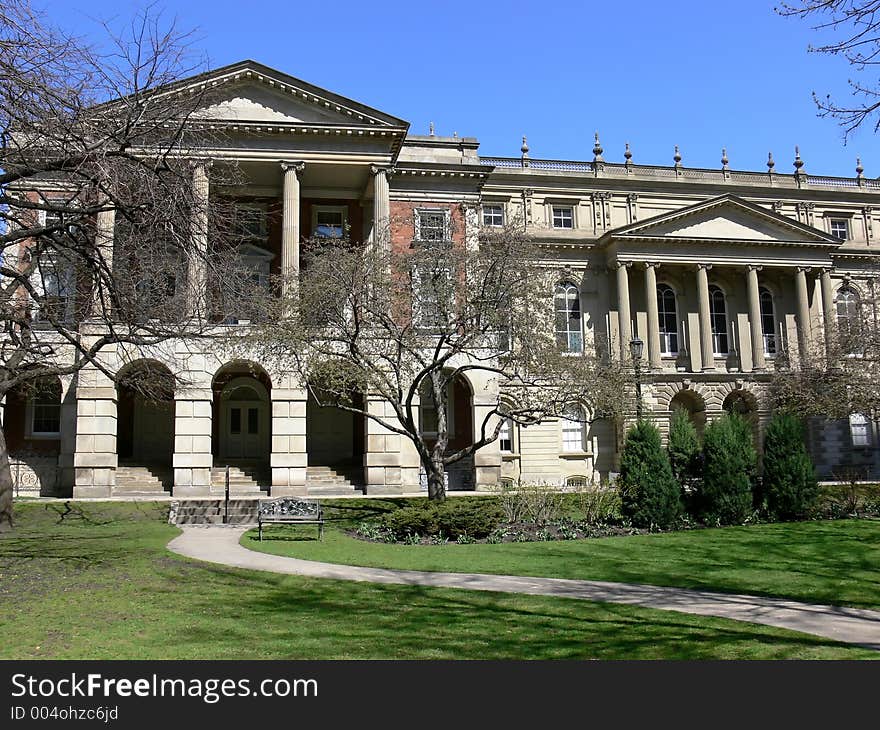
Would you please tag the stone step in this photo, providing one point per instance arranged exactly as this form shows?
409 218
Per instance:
210 511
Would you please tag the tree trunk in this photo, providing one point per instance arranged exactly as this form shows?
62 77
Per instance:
6 487
435 473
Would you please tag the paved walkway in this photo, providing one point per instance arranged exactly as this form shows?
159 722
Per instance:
849 625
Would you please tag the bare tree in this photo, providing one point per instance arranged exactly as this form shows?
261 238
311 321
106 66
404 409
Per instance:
101 214
404 323
854 30
840 375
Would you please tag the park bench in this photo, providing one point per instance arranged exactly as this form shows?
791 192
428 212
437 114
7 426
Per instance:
291 511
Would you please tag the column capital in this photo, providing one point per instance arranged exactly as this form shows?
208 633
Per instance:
651 264
704 266
804 269
389 170
754 267
622 264
205 163
296 165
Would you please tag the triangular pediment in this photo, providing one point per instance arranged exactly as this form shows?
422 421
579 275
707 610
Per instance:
726 218
249 92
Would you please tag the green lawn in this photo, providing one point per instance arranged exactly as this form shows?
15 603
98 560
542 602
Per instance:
828 561
100 584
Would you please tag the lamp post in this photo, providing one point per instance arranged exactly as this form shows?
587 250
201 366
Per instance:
636 348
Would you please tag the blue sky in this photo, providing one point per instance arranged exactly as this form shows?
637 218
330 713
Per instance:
702 75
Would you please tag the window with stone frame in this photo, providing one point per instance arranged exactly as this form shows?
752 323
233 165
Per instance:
567 303
718 319
432 224
768 320
573 429
860 430
562 216
848 318
840 228
493 215
54 282
667 316
329 221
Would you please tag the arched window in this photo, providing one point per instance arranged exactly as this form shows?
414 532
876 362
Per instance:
668 319
859 430
848 309
718 318
505 436
573 429
768 321
567 301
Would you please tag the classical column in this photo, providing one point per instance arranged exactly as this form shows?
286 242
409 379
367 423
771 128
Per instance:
623 314
290 225
803 311
758 360
653 317
197 269
193 458
104 226
705 316
289 456
828 311
94 457
381 205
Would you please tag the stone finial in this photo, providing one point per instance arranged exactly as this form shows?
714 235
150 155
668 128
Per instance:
859 168
724 160
798 162
770 163
455 135
431 128
597 150
627 154
525 147
677 157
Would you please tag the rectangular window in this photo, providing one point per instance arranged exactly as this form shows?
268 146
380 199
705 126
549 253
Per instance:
54 280
253 425
572 430
563 216
328 221
431 225
840 228
235 421
432 295
47 418
493 215
859 430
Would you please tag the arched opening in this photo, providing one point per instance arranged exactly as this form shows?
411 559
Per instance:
693 405
242 424
460 425
335 439
145 418
32 429
743 404
32 417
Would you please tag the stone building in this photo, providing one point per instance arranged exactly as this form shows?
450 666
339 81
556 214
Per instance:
719 272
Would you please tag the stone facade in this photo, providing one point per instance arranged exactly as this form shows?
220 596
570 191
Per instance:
719 272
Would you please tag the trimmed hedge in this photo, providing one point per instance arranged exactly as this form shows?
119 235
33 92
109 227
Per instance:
473 517
650 496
